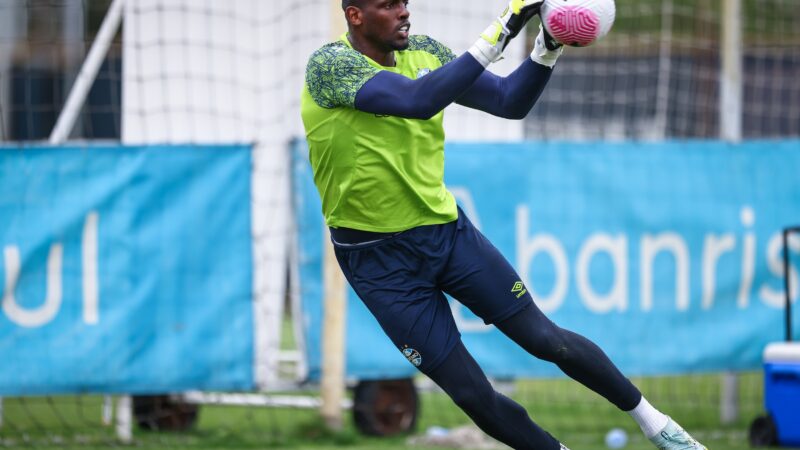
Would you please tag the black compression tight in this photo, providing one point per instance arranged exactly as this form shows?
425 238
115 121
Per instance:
500 417
579 358
497 415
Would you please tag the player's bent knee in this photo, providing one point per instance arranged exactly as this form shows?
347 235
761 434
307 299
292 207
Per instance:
551 344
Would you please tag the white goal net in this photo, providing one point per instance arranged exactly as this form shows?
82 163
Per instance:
223 72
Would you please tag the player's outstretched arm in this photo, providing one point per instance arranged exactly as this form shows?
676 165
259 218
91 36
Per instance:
512 97
392 94
388 93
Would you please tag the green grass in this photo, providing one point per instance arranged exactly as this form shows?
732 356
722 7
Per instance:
566 409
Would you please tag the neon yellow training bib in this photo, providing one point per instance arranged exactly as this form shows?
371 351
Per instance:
374 173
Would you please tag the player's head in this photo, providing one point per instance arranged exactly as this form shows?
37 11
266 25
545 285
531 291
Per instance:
383 23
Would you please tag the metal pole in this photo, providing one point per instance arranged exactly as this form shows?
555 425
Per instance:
786 284
88 73
729 401
730 118
301 366
664 70
124 427
730 109
107 413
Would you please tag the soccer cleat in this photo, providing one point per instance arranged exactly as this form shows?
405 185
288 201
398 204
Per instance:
673 437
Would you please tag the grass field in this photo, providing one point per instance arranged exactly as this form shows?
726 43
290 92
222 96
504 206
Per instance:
567 410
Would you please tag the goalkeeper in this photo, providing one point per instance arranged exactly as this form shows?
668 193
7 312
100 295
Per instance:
372 110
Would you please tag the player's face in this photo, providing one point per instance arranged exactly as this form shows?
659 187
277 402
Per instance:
386 23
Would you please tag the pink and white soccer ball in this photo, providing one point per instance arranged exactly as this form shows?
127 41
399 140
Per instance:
578 23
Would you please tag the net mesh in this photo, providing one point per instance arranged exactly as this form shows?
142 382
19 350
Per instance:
208 71
657 75
42 46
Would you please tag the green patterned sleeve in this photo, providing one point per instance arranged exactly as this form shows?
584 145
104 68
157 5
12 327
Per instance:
432 46
335 73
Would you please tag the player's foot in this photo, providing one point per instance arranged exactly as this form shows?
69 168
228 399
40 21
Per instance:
673 437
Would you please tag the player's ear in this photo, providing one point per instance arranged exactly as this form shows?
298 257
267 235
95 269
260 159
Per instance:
353 15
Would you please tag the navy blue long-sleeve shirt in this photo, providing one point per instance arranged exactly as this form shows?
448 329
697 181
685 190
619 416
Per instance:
464 81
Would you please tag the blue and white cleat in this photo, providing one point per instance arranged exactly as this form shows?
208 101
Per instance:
673 437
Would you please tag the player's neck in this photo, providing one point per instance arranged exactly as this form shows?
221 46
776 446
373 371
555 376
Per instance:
368 49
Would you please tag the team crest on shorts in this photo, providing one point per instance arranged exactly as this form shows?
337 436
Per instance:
412 356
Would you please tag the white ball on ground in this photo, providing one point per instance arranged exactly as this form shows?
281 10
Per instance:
437 432
616 438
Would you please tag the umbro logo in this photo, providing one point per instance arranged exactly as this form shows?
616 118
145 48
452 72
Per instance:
519 289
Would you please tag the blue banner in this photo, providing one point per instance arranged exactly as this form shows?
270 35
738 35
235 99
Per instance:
667 255
125 269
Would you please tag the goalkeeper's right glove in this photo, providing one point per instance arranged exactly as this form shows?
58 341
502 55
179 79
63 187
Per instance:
488 48
546 49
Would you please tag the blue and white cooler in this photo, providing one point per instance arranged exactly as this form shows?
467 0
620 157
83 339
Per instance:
781 394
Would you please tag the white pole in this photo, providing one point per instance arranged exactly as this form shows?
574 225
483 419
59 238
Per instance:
729 401
124 426
730 115
88 73
664 71
296 308
731 88
108 410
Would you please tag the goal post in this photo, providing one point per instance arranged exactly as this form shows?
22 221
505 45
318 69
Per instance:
87 74
731 77
730 118
218 72
221 73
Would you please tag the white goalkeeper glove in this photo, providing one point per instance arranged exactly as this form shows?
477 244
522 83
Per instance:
488 48
546 50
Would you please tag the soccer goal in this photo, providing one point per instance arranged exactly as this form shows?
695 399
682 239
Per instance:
161 254
156 74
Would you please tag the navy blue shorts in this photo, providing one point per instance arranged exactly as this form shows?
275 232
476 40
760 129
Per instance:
402 280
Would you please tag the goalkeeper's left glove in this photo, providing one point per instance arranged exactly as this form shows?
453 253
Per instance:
493 41
546 49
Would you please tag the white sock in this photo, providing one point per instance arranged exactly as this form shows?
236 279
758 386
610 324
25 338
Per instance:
650 420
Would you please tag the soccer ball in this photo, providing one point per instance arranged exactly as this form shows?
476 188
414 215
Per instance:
578 23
